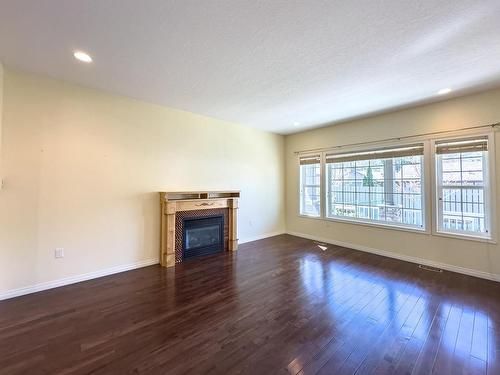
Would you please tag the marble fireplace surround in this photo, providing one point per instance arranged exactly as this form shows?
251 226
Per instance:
176 206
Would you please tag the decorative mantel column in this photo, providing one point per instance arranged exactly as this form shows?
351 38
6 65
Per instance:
201 203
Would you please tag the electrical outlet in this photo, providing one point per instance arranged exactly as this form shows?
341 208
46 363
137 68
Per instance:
59 253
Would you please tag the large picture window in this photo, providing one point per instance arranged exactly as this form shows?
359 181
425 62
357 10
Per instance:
380 186
310 185
462 187
387 187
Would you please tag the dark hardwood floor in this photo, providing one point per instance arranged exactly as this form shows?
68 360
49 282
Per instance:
277 306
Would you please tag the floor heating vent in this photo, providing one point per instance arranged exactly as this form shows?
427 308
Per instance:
429 268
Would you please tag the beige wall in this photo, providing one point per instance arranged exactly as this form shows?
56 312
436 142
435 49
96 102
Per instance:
458 113
1 111
82 169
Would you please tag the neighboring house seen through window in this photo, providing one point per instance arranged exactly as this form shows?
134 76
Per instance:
462 187
383 186
386 186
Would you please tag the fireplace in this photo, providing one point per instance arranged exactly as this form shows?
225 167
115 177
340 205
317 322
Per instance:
202 236
195 223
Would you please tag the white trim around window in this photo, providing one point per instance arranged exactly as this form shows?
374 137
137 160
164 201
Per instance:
441 224
430 215
310 192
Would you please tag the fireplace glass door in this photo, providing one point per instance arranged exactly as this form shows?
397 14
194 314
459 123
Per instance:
203 236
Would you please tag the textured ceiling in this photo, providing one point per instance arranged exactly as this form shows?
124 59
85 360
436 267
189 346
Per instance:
266 64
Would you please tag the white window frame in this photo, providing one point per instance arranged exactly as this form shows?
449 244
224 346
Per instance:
429 187
321 185
489 191
366 222
380 223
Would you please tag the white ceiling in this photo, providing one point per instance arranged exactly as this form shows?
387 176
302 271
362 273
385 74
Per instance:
266 64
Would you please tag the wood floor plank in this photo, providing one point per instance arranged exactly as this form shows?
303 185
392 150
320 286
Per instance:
444 356
281 305
493 361
479 348
418 339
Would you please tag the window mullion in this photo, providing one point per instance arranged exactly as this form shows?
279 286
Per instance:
462 192
355 189
343 188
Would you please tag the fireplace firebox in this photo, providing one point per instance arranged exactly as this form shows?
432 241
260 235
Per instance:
202 236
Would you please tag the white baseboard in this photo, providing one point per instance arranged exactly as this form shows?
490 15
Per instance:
143 263
407 258
75 279
109 271
260 237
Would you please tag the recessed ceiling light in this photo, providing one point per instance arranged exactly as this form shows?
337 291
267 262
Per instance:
82 56
444 91
296 123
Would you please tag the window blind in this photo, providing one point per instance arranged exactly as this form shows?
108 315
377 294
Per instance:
305 160
463 145
385 153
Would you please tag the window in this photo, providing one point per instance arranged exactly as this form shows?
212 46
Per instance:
380 186
310 185
386 187
462 187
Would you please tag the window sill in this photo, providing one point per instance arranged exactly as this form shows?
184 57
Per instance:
405 229
468 237
368 224
310 216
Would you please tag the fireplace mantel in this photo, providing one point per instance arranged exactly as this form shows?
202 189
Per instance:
173 203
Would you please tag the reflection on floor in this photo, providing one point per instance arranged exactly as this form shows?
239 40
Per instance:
277 306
